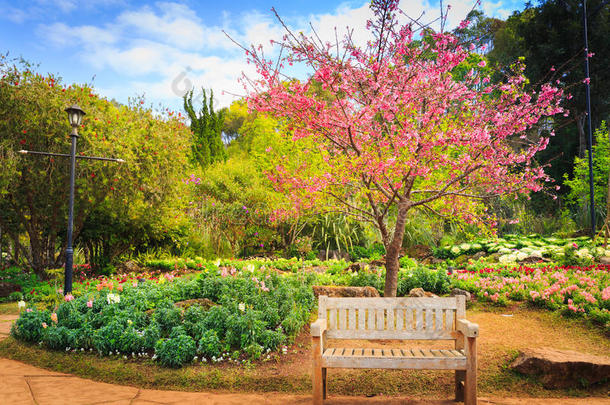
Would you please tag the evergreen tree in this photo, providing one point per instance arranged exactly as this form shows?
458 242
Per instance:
206 128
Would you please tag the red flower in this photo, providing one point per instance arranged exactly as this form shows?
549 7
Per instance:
22 141
92 175
24 131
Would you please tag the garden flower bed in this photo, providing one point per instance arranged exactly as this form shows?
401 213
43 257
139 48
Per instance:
572 290
252 314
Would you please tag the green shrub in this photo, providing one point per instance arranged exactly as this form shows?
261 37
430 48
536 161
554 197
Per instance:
29 326
176 351
167 317
59 337
209 344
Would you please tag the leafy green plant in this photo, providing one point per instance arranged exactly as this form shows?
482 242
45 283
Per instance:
176 351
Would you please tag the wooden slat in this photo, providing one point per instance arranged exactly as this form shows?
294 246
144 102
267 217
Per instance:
400 319
419 319
390 319
438 319
367 352
395 363
370 319
322 306
351 319
332 319
460 307
410 318
449 319
343 318
380 319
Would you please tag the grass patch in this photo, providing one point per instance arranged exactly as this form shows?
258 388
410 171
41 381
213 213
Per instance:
9 308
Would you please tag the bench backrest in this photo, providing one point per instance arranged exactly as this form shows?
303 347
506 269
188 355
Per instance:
391 318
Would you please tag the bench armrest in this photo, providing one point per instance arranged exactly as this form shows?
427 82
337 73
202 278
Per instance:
468 328
318 327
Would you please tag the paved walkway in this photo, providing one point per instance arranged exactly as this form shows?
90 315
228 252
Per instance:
22 384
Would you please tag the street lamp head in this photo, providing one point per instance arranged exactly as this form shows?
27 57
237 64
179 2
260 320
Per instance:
75 115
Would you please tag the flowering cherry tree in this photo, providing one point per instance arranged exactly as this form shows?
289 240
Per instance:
390 127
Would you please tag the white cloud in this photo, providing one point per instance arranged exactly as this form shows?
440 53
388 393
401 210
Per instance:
161 49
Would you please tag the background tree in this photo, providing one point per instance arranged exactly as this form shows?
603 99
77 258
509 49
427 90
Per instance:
400 133
143 191
550 38
206 128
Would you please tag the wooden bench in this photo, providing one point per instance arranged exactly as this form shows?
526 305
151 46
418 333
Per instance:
396 319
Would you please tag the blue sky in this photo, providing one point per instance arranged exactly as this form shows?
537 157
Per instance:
127 48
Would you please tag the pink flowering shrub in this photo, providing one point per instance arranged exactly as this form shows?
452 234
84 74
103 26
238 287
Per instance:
573 290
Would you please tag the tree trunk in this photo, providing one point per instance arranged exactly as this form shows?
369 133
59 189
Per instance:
393 252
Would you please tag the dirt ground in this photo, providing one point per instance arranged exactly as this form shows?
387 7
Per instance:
502 334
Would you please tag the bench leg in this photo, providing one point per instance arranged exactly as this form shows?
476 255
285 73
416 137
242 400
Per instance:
460 376
324 383
470 388
317 380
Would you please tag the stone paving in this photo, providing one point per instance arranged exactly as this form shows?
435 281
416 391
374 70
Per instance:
22 384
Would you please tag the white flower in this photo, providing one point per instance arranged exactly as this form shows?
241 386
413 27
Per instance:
113 298
242 306
455 250
21 304
217 262
250 268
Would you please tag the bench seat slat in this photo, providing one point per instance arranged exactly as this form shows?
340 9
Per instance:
394 359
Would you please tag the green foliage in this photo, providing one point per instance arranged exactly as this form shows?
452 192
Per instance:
435 281
209 344
578 183
176 351
30 325
59 337
206 128
120 206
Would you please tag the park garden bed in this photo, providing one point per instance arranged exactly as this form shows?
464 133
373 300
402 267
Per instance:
240 311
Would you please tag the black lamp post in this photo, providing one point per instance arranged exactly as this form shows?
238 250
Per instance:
75 116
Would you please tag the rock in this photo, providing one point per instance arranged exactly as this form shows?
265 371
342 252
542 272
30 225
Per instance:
605 260
459 291
129 267
340 291
478 255
7 288
202 302
562 368
419 293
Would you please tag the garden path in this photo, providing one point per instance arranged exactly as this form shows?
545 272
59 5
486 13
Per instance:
22 384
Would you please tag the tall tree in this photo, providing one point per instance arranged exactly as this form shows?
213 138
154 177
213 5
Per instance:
206 127
550 38
33 189
400 133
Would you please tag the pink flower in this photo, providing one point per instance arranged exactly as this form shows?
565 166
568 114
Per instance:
587 80
68 297
54 317
90 304
44 325
28 310
482 63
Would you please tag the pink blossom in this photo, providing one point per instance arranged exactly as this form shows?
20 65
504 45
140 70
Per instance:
90 304
68 297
